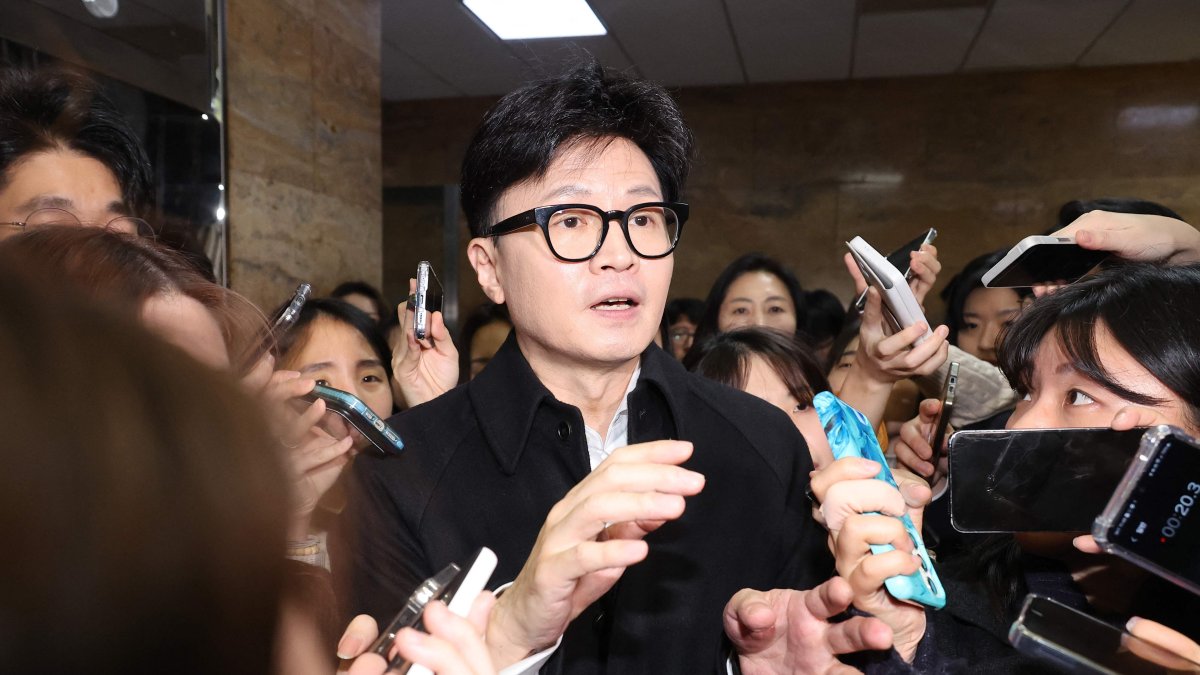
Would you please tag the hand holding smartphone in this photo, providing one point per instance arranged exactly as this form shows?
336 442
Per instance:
456 586
1042 260
360 416
426 300
901 259
850 435
937 436
1080 643
900 306
1152 519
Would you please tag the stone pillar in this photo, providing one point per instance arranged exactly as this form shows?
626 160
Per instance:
303 115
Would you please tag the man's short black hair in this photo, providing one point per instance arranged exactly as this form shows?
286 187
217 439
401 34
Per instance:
55 108
521 135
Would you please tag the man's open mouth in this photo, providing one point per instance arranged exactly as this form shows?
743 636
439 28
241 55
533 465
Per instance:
615 304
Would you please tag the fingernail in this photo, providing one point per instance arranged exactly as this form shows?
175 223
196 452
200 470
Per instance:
1133 621
349 647
695 480
290 374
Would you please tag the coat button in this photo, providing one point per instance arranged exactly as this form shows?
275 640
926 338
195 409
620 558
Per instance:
564 432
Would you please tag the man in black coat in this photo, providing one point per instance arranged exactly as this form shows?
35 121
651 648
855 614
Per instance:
627 499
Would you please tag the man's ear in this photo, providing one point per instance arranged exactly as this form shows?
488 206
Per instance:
481 251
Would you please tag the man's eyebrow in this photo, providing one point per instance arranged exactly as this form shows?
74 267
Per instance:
370 363
313 367
565 192
46 202
646 190
119 207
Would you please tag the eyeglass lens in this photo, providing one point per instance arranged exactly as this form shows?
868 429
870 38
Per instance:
575 233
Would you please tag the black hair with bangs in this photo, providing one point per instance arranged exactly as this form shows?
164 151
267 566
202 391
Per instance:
1151 312
586 108
725 357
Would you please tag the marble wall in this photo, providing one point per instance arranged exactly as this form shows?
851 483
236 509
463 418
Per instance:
303 137
796 169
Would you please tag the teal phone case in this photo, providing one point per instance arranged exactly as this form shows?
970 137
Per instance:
851 435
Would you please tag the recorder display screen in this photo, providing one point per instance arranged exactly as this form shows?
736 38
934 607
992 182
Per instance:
1160 521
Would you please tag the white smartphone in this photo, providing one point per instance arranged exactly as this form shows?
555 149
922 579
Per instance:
1038 260
427 300
900 306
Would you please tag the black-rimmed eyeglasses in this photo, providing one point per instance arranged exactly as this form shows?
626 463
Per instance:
50 217
575 232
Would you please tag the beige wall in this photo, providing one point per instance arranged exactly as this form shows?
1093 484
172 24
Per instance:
304 145
796 169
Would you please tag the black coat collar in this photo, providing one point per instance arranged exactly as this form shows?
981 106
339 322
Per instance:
507 397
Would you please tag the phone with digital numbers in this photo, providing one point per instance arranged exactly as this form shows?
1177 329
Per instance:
360 416
1035 480
1079 643
1153 517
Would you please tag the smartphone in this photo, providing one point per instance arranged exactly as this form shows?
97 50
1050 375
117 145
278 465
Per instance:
1035 480
937 438
1151 519
360 416
900 306
851 435
1079 643
428 299
1038 260
901 259
458 596
284 319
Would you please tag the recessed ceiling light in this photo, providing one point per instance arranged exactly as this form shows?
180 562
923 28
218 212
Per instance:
103 9
533 19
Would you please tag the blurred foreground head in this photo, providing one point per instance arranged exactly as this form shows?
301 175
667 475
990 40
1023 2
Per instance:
143 508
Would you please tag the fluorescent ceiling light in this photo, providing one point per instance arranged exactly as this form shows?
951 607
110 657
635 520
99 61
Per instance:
533 19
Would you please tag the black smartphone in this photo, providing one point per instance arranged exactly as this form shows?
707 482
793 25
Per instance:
427 300
1035 480
901 259
1152 518
360 416
285 317
1079 643
938 437
1039 260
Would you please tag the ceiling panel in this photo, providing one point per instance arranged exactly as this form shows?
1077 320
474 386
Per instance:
790 40
1036 33
914 43
547 58
407 80
447 40
1150 31
676 42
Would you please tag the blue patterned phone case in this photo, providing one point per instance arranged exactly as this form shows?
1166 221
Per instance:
851 435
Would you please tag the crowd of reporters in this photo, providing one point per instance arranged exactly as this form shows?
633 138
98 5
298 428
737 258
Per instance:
173 503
